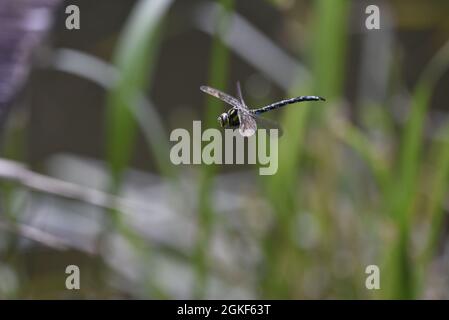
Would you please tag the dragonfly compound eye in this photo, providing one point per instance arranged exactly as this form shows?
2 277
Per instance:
223 119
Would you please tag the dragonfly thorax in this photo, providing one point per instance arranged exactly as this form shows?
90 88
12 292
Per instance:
229 119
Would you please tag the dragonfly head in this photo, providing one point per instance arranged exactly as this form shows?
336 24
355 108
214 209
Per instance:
223 120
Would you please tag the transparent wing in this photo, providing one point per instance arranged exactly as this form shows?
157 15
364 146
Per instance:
248 125
222 96
240 96
268 124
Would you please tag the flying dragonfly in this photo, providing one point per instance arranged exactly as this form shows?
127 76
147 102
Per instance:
240 116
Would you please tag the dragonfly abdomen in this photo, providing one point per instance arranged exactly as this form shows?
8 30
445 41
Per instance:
282 103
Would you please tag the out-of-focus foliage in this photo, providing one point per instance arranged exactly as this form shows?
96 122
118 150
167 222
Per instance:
362 179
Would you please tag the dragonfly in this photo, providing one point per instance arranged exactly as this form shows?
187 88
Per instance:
245 119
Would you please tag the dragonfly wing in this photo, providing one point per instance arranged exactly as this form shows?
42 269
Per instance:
248 124
222 96
240 96
268 124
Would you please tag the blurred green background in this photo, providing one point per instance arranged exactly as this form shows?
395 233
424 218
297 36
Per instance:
362 178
